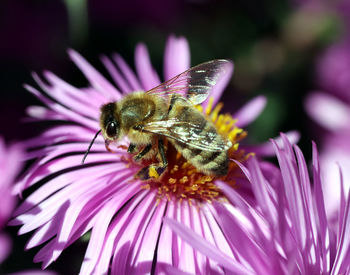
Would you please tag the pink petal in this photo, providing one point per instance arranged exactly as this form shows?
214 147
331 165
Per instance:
220 240
116 75
166 250
250 111
208 236
243 244
170 270
85 102
206 248
320 215
176 56
328 111
266 149
114 233
312 246
342 259
196 225
5 247
150 230
147 75
95 78
35 272
187 259
98 233
243 207
295 199
132 234
128 73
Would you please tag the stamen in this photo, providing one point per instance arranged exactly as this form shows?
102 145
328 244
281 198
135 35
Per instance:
209 106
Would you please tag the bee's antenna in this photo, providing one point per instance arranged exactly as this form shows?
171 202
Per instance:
88 150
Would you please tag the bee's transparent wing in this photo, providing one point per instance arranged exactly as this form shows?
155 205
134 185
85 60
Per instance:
196 83
188 133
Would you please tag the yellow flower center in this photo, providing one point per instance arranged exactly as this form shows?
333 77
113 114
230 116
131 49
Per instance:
183 181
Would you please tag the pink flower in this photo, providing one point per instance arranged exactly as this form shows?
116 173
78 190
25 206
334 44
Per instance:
287 231
123 214
333 70
330 107
10 165
333 115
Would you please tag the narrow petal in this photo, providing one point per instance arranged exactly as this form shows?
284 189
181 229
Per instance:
187 257
128 73
250 111
116 75
95 78
342 259
260 189
173 271
104 217
342 205
145 71
82 101
320 216
243 243
166 251
206 248
337 116
115 231
313 246
5 247
137 233
244 207
176 56
294 201
266 149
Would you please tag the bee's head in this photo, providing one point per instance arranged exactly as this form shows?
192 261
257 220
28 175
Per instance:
110 126
109 122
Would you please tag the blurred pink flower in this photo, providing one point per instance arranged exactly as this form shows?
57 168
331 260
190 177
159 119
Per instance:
10 164
333 115
123 214
333 70
330 107
287 231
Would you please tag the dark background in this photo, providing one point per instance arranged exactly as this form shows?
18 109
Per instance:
273 43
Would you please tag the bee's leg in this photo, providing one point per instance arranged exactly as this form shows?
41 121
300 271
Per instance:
143 152
154 170
131 148
162 153
151 171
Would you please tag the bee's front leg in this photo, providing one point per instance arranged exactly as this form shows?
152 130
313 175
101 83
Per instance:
143 152
131 148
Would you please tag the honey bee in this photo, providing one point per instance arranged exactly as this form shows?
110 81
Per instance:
167 112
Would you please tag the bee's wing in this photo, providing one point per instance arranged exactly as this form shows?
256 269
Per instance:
196 83
188 133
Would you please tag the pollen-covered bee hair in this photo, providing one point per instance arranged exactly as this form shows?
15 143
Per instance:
167 112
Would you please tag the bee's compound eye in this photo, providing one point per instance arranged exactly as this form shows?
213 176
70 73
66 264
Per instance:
111 129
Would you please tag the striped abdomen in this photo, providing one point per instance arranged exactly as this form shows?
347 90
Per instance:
208 162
